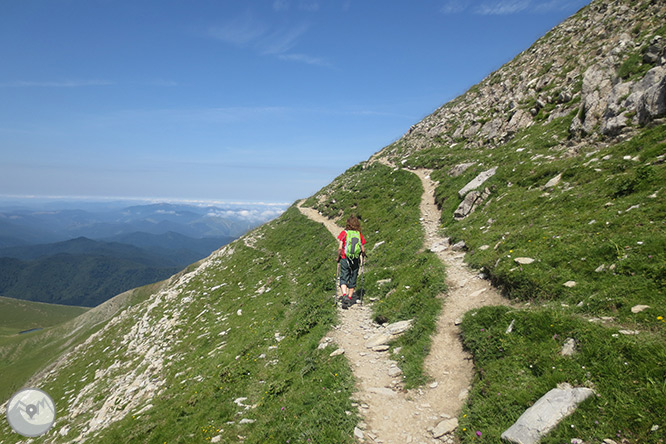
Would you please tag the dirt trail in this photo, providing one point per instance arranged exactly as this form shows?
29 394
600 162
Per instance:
393 415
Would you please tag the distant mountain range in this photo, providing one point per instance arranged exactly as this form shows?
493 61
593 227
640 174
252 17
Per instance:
84 257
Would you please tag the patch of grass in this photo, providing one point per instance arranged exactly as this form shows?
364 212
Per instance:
388 202
515 369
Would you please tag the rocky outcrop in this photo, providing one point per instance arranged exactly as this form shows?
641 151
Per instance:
604 66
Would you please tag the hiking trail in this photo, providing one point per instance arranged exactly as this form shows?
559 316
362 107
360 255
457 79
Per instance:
392 415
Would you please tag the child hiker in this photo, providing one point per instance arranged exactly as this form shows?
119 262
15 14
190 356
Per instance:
350 249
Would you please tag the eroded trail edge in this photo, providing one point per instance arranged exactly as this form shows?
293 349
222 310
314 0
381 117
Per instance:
391 414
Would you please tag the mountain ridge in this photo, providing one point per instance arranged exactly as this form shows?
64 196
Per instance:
564 215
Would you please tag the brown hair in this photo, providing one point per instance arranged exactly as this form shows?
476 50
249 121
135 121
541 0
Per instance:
353 224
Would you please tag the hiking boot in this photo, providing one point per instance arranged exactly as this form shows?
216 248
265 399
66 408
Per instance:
345 303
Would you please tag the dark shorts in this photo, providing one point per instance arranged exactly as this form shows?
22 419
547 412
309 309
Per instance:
349 272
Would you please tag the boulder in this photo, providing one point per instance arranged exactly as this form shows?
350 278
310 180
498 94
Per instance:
546 413
470 203
652 102
477 181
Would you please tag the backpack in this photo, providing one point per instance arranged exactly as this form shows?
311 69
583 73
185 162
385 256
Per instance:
353 244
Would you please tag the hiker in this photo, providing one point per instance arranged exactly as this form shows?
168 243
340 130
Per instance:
350 249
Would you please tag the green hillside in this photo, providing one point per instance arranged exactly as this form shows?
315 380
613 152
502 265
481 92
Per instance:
569 224
17 315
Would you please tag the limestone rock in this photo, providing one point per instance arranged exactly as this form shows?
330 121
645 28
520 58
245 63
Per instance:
382 338
477 181
472 200
399 327
639 308
554 181
340 351
569 347
545 414
445 427
524 260
459 169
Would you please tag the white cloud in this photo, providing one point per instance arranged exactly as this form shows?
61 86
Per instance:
317 61
248 32
503 7
454 6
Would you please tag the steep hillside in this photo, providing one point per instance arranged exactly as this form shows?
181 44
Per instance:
550 175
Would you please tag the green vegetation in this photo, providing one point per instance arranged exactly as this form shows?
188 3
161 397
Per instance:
601 230
515 369
388 203
62 328
245 340
17 315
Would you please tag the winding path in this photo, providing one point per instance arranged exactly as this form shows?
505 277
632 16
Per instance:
391 414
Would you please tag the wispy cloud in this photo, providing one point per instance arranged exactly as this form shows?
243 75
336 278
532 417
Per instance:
303 5
504 7
55 84
454 6
248 32
317 61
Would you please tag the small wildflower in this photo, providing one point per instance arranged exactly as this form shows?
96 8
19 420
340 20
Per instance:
478 433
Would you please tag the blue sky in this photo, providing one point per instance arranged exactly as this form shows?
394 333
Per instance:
233 100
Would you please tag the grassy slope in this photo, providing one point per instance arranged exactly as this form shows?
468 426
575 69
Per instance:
21 356
17 315
603 227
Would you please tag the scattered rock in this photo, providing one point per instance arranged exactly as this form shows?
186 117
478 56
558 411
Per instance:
477 182
524 260
247 421
399 327
383 281
639 308
472 200
546 413
459 169
445 427
380 348
358 433
570 284
509 329
338 352
394 371
569 347
459 246
554 181
382 338
629 332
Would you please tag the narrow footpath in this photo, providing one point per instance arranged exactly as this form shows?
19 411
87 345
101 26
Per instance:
391 414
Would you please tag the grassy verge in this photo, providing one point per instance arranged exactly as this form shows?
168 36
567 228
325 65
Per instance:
403 277
272 314
627 373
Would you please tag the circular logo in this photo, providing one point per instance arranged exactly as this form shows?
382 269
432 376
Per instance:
31 412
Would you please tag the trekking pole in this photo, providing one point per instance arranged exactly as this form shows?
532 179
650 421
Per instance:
362 274
337 281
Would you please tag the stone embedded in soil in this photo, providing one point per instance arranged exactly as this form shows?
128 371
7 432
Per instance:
639 308
445 427
524 260
546 413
